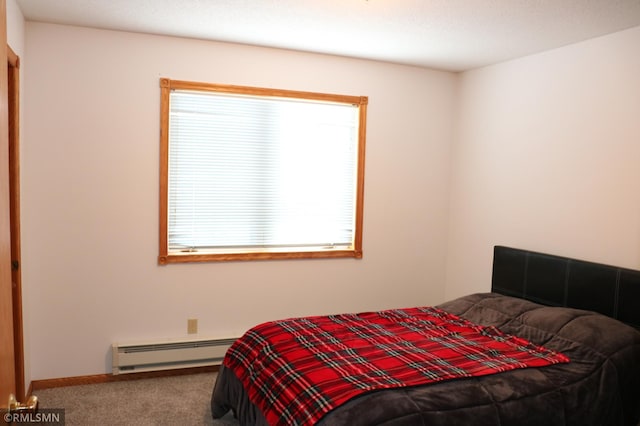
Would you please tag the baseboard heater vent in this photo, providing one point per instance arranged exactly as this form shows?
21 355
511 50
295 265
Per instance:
168 355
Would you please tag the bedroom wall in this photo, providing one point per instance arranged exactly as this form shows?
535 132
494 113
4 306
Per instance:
15 28
546 157
90 195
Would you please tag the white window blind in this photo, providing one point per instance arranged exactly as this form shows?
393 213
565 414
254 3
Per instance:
258 173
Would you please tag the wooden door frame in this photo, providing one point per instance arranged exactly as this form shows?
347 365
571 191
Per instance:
13 74
7 352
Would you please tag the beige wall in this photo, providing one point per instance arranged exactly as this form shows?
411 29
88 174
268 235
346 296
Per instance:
547 157
90 195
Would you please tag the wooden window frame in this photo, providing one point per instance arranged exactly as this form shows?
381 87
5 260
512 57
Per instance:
167 257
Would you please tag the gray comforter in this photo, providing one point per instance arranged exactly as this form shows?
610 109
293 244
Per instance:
600 386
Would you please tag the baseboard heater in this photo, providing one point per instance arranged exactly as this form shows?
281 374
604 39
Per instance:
168 354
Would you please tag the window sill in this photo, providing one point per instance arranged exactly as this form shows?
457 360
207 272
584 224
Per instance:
225 257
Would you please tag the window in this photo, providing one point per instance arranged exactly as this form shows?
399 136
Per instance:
251 173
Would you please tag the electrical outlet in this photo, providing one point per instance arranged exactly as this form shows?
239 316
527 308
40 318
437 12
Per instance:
192 326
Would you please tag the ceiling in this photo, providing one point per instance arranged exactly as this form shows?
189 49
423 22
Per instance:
454 35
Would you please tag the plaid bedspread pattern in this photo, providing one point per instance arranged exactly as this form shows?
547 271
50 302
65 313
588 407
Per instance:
296 370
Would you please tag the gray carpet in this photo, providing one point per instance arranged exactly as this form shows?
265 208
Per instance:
176 400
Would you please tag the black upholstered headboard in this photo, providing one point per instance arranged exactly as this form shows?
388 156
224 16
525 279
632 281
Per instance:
562 281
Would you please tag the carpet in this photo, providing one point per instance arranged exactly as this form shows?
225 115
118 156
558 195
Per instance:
174 400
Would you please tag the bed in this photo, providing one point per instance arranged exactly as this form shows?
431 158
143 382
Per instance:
584 316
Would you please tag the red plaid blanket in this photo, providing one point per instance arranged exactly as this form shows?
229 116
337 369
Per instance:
296 370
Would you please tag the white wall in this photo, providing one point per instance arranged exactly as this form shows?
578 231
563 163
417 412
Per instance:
15 28
547 157
90 195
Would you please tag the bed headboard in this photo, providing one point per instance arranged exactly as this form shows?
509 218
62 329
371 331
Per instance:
562 281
